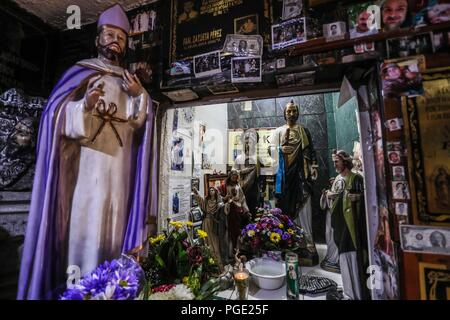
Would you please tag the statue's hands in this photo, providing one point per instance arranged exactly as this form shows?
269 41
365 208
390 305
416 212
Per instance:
94 92
314 172
354 197
131 84
330 195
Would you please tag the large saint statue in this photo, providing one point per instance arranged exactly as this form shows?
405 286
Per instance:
291 144
248 165
349 227
95 184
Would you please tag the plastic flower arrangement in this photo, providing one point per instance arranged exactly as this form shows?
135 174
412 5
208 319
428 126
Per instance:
120 279
175 258
273 231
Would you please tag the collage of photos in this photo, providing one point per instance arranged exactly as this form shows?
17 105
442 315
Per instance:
246 69
288 33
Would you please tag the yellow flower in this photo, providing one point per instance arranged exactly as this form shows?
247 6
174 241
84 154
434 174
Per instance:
176 224
290 231
202 234
211 261
189 224
281 226
157 239
251 233
275 237
185 280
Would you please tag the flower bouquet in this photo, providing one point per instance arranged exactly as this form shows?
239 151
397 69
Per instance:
120 279
273 231
176 259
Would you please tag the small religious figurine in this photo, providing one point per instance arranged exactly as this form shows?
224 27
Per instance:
349 227
296 172
235 206
331 260
248 165
95 182
211 206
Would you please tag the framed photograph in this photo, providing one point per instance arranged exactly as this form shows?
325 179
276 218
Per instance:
281 63
425 239
401 208
369 46
394 124
398 173
181 95
243 45
410 46
394 157
426 133
400 190
207 64
246 69
288 33
359 48
285 80
292 9
214 180
246 25
223 88
395 14
401 78
434 281
364 19
143 21
441 41
438 12
334 31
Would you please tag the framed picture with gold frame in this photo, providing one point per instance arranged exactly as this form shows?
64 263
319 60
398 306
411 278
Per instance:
428 145
214 180
434 281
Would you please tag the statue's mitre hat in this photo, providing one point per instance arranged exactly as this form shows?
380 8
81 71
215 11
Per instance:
114 16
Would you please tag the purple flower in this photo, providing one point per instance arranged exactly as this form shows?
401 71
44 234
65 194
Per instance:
275 211
286 236
278 231
77 293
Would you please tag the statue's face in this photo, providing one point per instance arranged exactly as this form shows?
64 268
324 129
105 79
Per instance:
234 177
338 164
111 43
212 192
291 113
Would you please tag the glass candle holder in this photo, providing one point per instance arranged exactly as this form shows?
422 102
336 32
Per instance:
241 283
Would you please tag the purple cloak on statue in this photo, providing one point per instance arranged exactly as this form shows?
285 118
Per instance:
42 273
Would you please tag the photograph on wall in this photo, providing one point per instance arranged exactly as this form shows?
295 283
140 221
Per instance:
288 33
246 25
394 157
188 11
143 21
246 69
401 78
394 146
441 41
222 88
400 190
434 281
292 9
207 64
177 154
394 124
429 132
179 195
395 15
432 12
364 19
409 46
401 208
235 145
334 31
398 173
242 45
425 239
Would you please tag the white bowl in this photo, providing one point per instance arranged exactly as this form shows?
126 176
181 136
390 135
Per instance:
266 273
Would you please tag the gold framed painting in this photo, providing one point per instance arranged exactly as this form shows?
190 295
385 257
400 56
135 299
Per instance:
434 281
427 129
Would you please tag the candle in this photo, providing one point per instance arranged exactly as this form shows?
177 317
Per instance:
241 281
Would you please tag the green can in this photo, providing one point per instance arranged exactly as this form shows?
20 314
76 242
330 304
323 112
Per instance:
292 276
